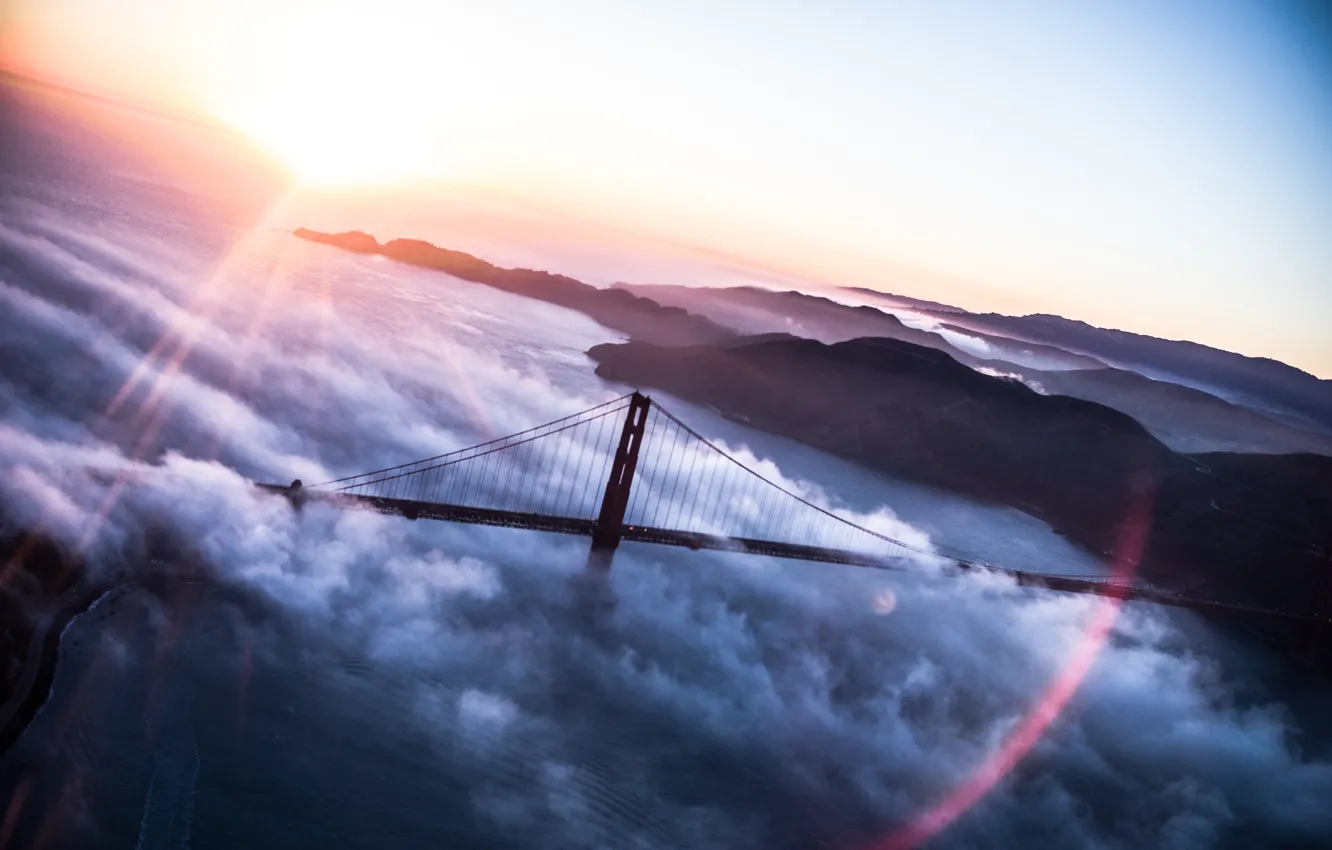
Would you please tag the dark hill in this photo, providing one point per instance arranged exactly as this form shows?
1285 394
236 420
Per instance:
1186 419
1244 528
37 576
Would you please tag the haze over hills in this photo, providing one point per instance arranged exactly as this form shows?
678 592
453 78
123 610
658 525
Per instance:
752 310
1185 418
904 300
1262 383
1259 382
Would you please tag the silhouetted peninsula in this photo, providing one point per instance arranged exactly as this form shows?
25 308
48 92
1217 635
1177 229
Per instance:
640 318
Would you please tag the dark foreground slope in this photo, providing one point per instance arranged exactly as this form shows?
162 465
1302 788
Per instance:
41 589
640 318
44 586
1244 528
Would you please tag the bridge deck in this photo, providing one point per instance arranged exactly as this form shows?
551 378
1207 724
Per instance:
413 509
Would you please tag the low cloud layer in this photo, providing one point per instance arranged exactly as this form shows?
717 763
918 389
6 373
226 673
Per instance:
701 700
1037 386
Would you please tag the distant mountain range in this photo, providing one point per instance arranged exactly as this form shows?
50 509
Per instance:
751 310
1185 418
1274 408
1261 383
904 300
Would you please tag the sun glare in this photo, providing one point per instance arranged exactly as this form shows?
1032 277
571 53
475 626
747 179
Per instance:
331 148
334 137
337 104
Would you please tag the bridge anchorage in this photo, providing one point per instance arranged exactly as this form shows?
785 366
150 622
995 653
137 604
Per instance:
628 469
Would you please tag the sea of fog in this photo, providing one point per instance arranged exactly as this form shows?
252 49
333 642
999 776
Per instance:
354 680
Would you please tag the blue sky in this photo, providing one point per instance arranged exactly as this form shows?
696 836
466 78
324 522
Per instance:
1163 166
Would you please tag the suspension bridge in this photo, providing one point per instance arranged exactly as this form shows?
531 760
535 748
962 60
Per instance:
629 469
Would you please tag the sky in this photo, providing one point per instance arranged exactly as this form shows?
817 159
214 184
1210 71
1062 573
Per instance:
1163 167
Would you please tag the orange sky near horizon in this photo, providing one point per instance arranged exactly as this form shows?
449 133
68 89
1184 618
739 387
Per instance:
996 185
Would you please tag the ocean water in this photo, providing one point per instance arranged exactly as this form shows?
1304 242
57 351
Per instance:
351 680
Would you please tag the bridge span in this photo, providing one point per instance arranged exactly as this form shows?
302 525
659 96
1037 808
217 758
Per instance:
628 469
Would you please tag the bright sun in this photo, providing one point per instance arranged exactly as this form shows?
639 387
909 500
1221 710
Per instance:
345 142
332 120
338 149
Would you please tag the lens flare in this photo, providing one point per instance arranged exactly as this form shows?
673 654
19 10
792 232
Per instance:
1128 554
885 602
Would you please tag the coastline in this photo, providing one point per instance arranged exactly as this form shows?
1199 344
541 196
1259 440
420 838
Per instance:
28 698
34 687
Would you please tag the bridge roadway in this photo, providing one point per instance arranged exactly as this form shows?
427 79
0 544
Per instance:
412 509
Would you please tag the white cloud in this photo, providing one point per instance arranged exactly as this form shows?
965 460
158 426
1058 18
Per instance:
1037 386
702 698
